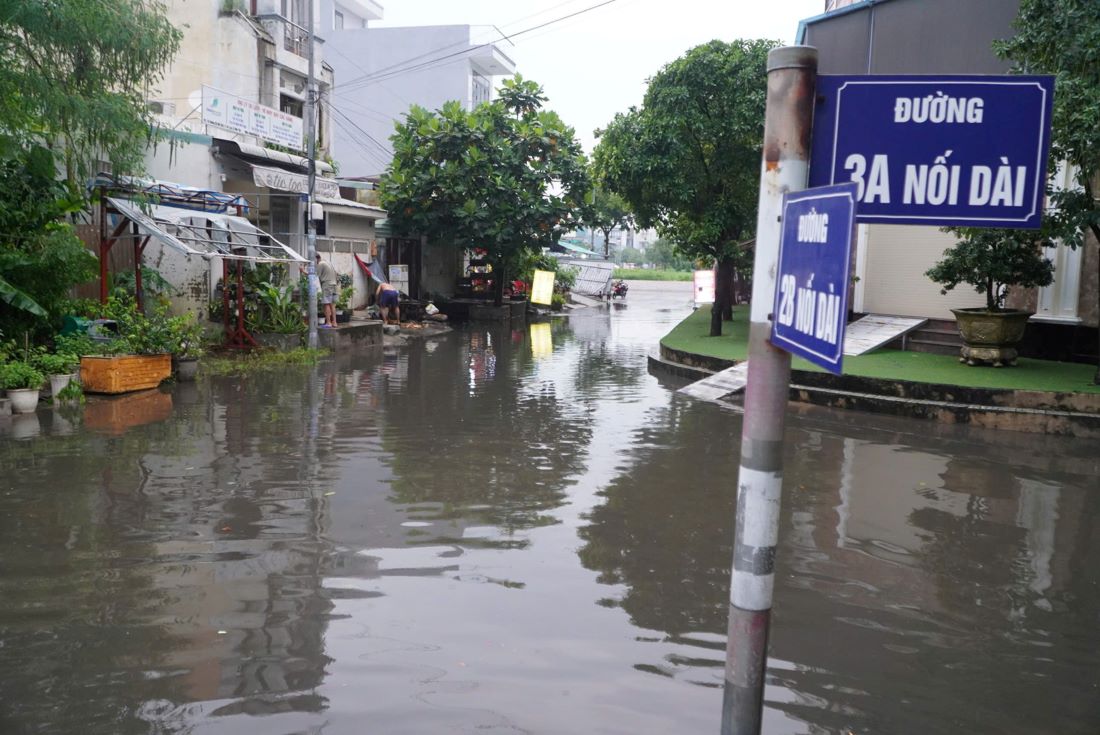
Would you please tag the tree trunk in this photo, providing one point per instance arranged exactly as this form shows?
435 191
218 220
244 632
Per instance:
715 320
498 284
607 245
1096 234
723 288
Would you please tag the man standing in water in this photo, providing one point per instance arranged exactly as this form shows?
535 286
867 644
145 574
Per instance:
388 298
326 274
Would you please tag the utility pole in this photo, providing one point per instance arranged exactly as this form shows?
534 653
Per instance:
792 76
311 149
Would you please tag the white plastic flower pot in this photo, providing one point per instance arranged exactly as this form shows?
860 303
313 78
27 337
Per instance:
23 400
58 382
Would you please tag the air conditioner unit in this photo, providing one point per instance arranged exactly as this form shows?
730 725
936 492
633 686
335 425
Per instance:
161 107
295 84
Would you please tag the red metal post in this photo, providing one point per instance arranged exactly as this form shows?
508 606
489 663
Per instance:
139 290
104 249
225 299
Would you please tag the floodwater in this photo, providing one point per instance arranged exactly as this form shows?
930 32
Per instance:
523 531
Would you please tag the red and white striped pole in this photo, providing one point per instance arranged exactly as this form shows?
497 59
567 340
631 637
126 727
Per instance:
792 76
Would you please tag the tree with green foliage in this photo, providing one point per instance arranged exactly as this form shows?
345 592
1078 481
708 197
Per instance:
991 260
75 75
1062 37
606 211
662 253
507 176
632 255
688 160
41 257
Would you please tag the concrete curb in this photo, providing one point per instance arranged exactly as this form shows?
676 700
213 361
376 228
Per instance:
1063 414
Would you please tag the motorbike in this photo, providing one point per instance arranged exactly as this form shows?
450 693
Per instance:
618 289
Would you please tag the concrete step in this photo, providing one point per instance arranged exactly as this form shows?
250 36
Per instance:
937 347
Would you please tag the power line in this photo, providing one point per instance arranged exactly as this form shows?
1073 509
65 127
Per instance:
378 144
360 144
451 45
393 70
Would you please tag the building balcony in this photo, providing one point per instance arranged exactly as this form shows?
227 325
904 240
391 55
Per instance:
488 61
291 43
365 9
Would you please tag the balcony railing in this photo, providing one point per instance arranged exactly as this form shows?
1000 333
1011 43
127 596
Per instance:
295 39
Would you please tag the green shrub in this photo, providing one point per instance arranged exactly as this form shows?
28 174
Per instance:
57 363
19 374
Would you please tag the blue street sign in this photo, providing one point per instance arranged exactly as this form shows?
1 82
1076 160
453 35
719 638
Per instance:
811 286
946 150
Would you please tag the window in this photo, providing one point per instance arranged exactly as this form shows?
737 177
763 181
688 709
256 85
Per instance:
291 106
480 90
338 20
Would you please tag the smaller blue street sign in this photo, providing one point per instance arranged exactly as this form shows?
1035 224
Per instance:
936 150
811 286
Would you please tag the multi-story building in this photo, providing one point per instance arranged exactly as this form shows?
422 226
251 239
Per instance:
252 60
382 72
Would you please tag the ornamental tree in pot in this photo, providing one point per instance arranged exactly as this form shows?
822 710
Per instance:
991 260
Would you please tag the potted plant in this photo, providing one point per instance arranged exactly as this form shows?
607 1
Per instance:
60 367
279 322
22 381
343 305
187 346
991 261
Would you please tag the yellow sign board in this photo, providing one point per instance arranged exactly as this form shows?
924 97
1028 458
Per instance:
542 287
542 343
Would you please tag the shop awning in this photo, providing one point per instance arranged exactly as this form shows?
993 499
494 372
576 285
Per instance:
339 205
574 248
277 178
206 234
245 150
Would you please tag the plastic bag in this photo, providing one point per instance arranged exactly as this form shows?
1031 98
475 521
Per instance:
431 309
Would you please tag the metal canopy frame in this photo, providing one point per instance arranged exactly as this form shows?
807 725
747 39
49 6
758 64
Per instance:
193 222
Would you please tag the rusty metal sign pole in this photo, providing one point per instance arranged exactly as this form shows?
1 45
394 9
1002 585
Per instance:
792 74
311 152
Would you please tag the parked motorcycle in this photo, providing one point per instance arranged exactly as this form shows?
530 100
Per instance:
618 289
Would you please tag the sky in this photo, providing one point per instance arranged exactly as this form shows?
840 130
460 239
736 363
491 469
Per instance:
597 63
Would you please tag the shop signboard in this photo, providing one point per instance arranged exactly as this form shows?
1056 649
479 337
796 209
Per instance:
239 115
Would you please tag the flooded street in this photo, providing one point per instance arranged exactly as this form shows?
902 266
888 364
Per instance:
522 530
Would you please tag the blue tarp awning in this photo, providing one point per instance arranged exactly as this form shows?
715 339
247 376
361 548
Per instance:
574 248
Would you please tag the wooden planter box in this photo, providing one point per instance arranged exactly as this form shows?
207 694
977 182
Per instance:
123 373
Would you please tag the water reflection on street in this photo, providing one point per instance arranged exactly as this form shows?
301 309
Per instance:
522 530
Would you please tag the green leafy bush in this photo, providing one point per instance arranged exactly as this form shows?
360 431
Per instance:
57 363
279 312
19 374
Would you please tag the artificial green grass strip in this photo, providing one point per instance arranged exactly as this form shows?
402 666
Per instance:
691 335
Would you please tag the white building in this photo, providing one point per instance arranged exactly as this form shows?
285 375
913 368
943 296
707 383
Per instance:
252 53
382 72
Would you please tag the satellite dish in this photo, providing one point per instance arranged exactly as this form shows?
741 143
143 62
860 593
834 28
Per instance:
194 99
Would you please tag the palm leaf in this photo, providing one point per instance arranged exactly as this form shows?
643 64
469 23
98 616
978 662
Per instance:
19 299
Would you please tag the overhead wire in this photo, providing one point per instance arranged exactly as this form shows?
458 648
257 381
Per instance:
399 68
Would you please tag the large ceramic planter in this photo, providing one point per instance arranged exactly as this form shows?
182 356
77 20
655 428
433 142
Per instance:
186 368
23 400
123 373
990 336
